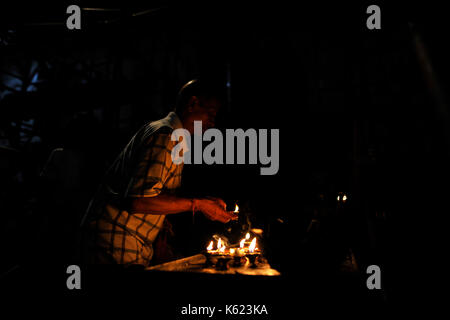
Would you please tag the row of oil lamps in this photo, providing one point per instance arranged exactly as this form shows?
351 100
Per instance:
221 255
243 250
245 247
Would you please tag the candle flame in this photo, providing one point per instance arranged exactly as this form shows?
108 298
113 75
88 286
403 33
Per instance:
257 231
219 244
236 209
209 248
241 244
232 251
247 236
222 249
252 245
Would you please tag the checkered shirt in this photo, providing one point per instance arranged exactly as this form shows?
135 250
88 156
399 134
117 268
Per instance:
143 169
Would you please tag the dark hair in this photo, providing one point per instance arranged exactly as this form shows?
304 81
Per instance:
195 87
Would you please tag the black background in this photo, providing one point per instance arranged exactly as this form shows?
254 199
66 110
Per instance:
356 114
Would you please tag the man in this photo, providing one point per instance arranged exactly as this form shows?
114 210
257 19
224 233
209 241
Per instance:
128 211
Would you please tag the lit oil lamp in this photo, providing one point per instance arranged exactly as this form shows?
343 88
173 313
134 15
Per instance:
253 253
209 253
237 255
223 257
210 247
220 256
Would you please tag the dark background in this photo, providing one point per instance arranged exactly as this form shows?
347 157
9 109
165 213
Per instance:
358 111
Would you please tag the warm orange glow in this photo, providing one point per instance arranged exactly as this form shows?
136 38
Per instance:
247 236
241 244
252 245
221 246
209 248
257 231
232 251
236 209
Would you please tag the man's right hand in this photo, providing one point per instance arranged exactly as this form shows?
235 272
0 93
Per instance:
214 210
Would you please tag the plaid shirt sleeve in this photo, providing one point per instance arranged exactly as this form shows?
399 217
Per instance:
154 167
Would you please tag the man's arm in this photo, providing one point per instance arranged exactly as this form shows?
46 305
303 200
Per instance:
161 204
213 209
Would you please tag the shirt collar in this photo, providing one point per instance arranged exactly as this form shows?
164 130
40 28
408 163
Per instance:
174 120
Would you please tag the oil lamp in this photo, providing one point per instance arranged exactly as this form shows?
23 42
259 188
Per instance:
218 257
253 253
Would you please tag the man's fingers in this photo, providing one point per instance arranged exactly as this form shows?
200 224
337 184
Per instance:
219 201
228 215
216 211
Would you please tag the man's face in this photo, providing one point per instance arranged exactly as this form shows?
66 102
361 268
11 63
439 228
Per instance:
201 109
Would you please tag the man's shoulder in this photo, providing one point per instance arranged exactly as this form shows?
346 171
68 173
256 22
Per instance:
158 134
161 126
159 130
155 128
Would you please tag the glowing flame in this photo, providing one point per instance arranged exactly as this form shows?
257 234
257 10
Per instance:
247 236
252 245
236 209
257 231
222 249
209 248
344 198
219 244
232 251
241 244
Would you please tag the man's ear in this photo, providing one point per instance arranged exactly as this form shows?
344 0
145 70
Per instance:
192 102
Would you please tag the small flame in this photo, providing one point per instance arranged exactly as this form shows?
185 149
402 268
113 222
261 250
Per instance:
344 198
252 245
209 248
247 236
222 249
232 251
257 231
219 244
241 244
236 209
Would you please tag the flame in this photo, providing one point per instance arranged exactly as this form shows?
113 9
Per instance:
236 209
232 251
344 198
241 244
252 245
221 246
257 231
209 248
247 236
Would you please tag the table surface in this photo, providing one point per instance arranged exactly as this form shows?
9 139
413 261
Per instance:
197 262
